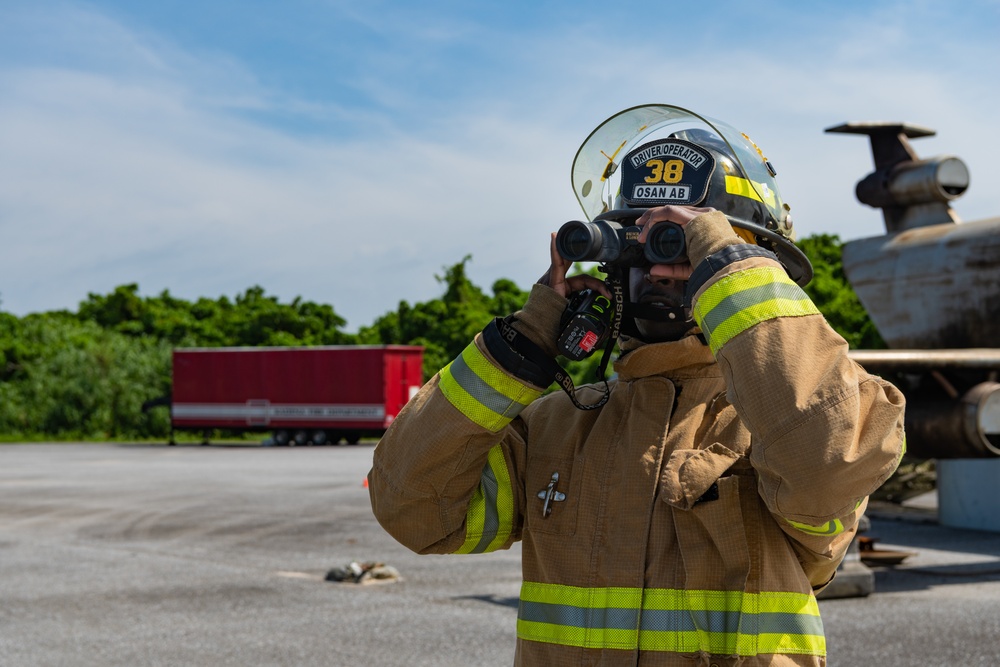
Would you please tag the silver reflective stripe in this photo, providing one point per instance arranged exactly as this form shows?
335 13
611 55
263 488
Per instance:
491 522
489 517
676 620
742 300
579 617
483 392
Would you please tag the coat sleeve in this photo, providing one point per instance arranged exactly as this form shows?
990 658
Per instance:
825 433
446 476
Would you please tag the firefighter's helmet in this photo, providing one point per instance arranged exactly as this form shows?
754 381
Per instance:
659 154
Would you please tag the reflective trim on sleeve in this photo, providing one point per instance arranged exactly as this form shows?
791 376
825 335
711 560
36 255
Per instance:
745 298
482 392
662 619
828 529
490 517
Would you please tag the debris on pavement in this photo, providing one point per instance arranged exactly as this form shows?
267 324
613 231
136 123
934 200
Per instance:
368 572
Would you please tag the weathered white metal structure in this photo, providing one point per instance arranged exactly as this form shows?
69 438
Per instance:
931 285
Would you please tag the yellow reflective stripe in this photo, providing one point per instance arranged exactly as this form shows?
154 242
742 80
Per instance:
767 643
579 637
490 517
830 528
668 598
482 392
751 189
720 622
584 597
746 298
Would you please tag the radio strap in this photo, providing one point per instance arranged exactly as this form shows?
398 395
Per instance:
526 348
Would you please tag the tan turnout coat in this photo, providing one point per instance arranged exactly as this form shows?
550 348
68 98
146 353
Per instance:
691 518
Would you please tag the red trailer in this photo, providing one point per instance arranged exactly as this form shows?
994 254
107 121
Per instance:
302 394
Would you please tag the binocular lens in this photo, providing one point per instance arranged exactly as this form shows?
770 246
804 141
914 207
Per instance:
578 241
665 243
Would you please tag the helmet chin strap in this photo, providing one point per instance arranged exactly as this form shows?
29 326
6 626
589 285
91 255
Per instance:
631 311
645 311
641 311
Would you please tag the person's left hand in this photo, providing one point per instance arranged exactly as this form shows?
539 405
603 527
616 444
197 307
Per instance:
681 215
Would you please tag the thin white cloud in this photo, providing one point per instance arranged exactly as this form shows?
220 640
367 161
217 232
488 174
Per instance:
133 182
144 163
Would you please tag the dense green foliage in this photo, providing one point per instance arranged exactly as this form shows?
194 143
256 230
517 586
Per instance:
833 295
446 325
86 375
62 377
252 319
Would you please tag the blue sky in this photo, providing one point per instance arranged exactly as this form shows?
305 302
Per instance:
347 152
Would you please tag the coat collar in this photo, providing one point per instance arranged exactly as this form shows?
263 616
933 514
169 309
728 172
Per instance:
687 357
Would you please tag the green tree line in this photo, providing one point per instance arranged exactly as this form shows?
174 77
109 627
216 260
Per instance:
87 374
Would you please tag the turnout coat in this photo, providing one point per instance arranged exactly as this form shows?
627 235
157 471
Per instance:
687 521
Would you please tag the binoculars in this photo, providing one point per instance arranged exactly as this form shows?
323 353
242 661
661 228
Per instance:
609 242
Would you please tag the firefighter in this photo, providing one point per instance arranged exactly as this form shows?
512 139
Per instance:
687 511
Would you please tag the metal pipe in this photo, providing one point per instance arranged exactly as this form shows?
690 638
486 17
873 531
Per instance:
921 360
914 182
941 179
966 428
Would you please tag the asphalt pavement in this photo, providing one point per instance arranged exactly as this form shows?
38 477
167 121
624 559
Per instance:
119 554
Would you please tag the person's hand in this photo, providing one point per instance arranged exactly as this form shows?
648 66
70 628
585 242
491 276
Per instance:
556 278
677 214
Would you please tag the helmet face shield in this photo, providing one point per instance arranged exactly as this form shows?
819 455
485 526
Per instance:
659 154
598 167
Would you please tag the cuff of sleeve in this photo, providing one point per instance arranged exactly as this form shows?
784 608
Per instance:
715 262
540 318
707 234
512 360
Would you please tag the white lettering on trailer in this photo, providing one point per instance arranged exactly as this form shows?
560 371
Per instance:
257 413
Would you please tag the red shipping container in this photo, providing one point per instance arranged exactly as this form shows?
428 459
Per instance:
314 393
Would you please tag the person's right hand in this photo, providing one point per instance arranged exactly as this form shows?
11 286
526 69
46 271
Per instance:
680 215
556 278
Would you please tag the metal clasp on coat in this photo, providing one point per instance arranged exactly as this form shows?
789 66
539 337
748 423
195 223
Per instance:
549 494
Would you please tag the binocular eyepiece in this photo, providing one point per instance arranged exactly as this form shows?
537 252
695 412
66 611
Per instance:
611 243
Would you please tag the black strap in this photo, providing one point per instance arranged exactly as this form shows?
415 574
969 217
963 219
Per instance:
644 311
526 348
618 298
512 361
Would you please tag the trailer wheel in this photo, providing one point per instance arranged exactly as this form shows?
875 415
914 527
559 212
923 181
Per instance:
300 438
353 438
319 437
281 438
